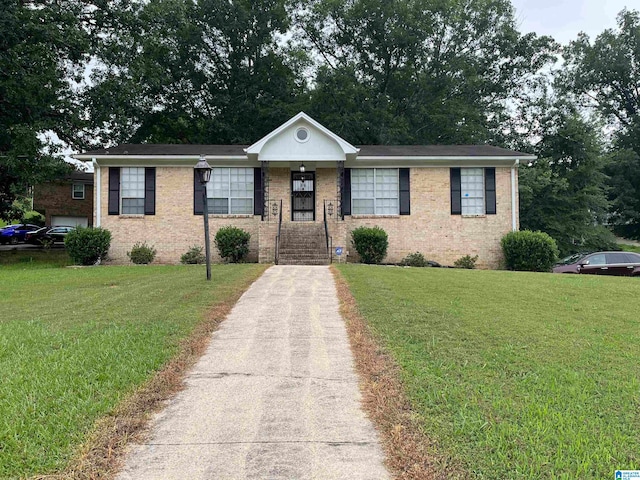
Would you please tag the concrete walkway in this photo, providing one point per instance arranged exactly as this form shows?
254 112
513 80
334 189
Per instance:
274 397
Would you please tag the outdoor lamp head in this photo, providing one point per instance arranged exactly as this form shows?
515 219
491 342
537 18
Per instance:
203 170
302 168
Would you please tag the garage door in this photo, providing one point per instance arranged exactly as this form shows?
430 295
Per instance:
59 221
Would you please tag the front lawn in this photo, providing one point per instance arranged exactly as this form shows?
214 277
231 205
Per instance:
514 375
75 342
629 248
34 258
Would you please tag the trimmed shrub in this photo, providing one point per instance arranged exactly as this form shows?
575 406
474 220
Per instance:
88 246
371 243
233 243
193 256
529 251
142 254
467 262
414 260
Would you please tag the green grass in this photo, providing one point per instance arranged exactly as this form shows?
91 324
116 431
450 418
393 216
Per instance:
515 375
629 248
34 258
76 342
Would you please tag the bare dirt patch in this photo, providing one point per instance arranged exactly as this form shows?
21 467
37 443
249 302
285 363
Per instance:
410 453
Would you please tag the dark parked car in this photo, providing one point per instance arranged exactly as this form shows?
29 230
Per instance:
15 233
601 263
48 235
32 237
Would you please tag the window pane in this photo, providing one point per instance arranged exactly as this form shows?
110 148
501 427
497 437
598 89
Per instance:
598 259
387 206
616 258
133 206
242 205
219 206
472 184
362 183
231 190
78 190
633 257
132 182
362 206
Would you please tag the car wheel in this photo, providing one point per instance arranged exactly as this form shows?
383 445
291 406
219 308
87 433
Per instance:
13 241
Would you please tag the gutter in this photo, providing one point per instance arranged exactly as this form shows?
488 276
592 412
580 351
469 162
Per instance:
445 158
98 191
195 158
514 217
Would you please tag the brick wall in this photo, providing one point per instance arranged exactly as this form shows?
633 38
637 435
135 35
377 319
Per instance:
433 231
430 229
174 228
54 199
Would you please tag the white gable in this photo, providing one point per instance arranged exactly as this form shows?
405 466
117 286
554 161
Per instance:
301 139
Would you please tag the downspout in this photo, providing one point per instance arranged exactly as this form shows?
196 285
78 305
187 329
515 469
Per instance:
514 218
98 189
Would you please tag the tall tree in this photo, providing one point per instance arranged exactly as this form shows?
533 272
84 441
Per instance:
417 71
605 74
194 72
563 193
42 49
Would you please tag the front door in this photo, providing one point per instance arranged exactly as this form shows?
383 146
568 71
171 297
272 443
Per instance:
303 197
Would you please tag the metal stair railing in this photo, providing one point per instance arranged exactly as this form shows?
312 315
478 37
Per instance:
329 240
277 251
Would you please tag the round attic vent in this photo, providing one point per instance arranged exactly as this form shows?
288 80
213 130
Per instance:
302 134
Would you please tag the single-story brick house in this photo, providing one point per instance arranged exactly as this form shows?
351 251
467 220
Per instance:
443 201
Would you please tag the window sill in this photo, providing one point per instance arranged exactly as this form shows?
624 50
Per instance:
375 216
131 215
231 215
481 215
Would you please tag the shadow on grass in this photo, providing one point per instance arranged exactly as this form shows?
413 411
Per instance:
35 258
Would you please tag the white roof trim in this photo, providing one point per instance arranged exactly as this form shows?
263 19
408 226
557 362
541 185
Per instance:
347 148
158 157
510 158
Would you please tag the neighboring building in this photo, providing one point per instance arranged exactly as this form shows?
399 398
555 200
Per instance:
443 201
67 201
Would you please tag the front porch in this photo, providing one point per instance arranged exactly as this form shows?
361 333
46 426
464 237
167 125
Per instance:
301 212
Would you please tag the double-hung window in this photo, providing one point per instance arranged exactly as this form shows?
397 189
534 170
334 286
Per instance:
132 191
472 190
230 191
375 191
77 191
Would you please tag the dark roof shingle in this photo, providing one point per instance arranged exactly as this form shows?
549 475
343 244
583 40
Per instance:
365 150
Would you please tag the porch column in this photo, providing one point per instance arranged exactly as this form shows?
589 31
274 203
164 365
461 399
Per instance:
340 188
264 178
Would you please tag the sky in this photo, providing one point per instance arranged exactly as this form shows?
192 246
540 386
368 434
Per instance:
564 19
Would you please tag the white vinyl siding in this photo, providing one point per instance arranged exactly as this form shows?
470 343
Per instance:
374 191
472 187
230 191
132 191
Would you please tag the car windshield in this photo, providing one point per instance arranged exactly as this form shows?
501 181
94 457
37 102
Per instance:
571 259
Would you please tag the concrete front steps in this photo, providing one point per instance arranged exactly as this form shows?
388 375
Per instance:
303 243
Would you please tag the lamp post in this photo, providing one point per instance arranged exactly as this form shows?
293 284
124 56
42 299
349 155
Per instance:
203 170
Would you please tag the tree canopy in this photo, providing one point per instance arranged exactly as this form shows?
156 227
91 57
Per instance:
95 73
605 75
42 48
